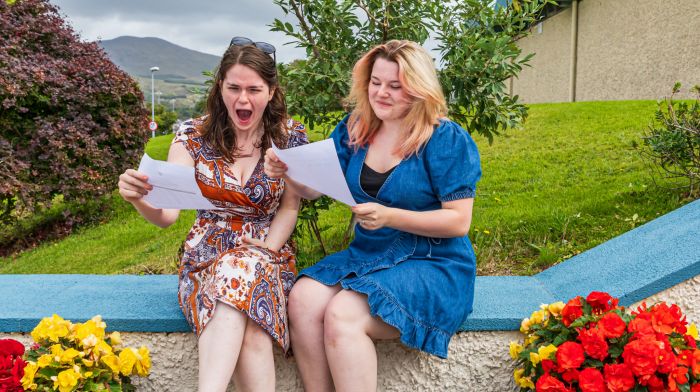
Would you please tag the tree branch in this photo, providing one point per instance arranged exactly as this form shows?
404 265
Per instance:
305 28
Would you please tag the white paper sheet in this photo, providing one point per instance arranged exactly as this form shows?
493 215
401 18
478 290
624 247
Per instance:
174 186
316 165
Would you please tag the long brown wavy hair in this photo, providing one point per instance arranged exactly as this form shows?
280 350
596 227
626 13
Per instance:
218 129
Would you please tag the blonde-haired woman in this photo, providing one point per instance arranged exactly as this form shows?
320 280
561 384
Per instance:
409 272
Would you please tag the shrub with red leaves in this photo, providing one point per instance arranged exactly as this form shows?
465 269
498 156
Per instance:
70 120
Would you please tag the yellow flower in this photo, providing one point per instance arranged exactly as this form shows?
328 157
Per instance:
537 317
68 355
143 365
102 348
515 349
44 360
51 329
545 352
28 378
127 360
90 332
693 331
112 361
115 338
523 382
531 339
66 380
534 358
556 307
525 325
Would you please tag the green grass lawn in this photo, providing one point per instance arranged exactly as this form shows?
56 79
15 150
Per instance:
567 181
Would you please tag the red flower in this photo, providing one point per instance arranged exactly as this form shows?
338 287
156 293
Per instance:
547 383
665 319
695 388
591 380
678 376
572 311
640 327
11 365
642 356
618 377
570 375
612 325
667 361
570 356
594 343
691 360
653 383
600 301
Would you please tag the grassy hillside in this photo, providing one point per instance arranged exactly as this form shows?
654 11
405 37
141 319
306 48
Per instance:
566 182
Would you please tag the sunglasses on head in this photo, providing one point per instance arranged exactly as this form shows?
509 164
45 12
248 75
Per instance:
264 46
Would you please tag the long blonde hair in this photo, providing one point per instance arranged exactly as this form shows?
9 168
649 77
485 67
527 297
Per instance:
417 77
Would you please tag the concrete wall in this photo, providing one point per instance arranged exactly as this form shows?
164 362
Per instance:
627 49
478 361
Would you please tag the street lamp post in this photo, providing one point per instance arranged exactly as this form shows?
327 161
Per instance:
153 106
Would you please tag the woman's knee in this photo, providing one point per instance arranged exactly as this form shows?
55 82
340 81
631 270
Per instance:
346 315
256 339
307 301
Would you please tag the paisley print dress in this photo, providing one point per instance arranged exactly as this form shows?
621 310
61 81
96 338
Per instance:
216 265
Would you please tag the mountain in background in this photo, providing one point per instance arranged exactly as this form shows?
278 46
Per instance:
137 55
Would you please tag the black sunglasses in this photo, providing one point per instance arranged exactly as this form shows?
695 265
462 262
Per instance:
264 46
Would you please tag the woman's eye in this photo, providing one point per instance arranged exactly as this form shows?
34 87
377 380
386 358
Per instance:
376 83
396 86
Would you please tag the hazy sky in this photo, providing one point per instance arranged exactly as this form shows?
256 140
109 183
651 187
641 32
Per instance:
206 26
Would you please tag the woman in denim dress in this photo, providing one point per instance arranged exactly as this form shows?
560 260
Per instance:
409 272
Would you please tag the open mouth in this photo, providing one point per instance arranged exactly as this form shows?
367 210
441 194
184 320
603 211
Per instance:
244 115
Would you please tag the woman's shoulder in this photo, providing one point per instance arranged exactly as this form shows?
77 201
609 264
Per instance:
191 128
448 136
296 133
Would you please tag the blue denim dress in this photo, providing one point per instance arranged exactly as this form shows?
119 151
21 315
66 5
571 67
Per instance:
422 286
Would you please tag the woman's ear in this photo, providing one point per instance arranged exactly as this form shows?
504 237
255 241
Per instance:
272 94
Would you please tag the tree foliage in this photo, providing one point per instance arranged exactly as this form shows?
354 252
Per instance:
672 141
475 40
70 122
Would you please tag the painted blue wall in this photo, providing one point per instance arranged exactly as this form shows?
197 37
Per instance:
633 266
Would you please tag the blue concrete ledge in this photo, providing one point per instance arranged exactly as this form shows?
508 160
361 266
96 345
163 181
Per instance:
633 266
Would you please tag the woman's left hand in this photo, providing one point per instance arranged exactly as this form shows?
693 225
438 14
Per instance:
372 216
255 242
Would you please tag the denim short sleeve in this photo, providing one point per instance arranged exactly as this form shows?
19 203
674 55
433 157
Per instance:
341 139
453 162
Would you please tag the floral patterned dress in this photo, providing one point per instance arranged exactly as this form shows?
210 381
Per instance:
216 265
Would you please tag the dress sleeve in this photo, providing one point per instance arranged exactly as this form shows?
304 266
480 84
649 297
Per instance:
453 162
297 134
188 135
341 139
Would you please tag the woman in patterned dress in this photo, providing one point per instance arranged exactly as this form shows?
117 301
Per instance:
238 267
409 272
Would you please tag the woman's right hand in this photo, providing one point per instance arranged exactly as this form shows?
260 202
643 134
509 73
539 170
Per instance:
133 185
274 167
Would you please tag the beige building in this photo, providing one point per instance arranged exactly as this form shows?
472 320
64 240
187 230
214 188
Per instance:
592 50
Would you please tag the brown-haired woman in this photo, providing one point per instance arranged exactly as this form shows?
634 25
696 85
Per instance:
237 267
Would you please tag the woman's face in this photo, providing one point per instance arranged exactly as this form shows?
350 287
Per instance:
246 96
387 96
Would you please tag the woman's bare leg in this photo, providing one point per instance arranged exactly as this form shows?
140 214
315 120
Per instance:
307 306
256 364
349 332
219 346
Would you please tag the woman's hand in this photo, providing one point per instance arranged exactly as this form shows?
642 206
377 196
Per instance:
372 216
255 242
274 167
133 185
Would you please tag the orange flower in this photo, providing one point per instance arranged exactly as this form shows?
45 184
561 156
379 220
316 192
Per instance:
569 356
